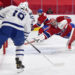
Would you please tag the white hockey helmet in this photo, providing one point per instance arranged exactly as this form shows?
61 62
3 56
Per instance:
24 5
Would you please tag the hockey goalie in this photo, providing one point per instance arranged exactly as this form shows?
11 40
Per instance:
61 26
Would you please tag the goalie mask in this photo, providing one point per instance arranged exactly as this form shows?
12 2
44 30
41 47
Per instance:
53 21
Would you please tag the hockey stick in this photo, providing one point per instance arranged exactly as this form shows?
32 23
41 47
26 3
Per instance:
29 42
51 62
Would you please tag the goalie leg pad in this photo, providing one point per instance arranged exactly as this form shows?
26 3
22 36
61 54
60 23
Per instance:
72 38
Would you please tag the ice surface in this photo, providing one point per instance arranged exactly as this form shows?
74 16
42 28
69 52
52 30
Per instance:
36 64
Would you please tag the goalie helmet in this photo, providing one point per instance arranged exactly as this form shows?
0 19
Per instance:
24 5
53 21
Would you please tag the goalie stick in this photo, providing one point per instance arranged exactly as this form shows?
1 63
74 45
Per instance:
51 62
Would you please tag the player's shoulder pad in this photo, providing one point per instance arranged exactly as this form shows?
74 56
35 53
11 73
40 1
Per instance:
10 7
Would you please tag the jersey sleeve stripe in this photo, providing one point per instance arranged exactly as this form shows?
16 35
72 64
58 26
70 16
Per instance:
1 16
19 54
4 22
46 34
45 20
38 24
26 32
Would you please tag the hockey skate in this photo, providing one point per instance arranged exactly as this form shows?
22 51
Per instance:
20 67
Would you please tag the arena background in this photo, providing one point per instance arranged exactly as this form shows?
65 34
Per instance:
53 50
57 6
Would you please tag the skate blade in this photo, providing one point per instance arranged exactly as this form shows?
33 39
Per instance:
20 70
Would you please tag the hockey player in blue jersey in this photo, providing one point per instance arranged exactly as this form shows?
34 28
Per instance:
16 24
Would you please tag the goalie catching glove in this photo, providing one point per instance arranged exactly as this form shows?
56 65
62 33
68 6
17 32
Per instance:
39 38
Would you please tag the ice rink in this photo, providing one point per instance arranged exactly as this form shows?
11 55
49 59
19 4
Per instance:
36 64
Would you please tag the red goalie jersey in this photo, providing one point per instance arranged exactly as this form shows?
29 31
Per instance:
61 26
